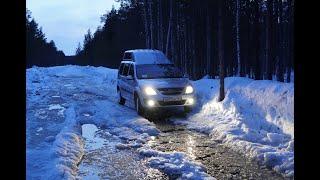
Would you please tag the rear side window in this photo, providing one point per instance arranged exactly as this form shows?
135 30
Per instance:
120 69
125 69
127 56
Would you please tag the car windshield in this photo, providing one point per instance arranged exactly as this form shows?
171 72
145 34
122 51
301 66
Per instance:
154 71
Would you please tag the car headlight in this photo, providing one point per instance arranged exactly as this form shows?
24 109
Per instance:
150 91
189 89
150 103
190 101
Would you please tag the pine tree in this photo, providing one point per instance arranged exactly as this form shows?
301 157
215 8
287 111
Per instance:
39 52
255 44
78 50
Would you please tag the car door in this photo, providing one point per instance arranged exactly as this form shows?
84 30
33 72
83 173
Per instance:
123 83
125 91
119 78
131 83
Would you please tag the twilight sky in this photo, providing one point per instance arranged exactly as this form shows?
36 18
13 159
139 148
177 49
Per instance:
66 21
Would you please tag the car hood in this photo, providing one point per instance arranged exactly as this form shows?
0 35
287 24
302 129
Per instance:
164 83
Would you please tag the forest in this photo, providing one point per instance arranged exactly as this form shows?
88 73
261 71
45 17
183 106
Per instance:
39 52
250 38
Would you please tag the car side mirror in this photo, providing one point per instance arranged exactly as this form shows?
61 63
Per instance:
129 77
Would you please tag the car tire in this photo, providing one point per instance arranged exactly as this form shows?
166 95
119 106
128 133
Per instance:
187 109
140 110
121 100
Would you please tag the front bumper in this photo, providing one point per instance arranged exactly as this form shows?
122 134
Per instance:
168 100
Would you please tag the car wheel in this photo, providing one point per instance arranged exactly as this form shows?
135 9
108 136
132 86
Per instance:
187 109
121 100
140 110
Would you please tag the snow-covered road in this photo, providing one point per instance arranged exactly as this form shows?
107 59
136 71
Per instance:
77 130
105 159
65 105
219 160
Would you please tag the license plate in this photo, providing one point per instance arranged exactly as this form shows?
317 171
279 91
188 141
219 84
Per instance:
172 99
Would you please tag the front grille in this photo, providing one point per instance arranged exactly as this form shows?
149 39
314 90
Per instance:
170 91
168 103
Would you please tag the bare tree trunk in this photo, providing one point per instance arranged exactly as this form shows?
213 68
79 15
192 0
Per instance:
256 57
158 25
282 61
269 40
178 40
172 48
172 35
208 41
290 47
221 52
267 51
146 23
192 45
151 25
286 50
185 44
169 28
193 55
238 36
190 50
161 26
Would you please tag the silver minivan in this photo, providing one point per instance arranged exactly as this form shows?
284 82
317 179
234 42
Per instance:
149 80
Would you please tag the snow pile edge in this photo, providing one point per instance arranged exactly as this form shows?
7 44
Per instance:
68 149
256 118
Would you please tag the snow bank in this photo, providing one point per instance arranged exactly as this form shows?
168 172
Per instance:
68 152
68 149
95 85
264 101
255 118
175 164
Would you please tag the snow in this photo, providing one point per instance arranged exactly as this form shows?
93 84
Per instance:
57 107
58 146
62 117
89 133
150 57
67 104
175 163
39 129
256 118
67 149
57 156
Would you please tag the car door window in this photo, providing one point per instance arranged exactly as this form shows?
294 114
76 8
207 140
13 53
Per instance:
127 56
120 69
131 70
125 69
